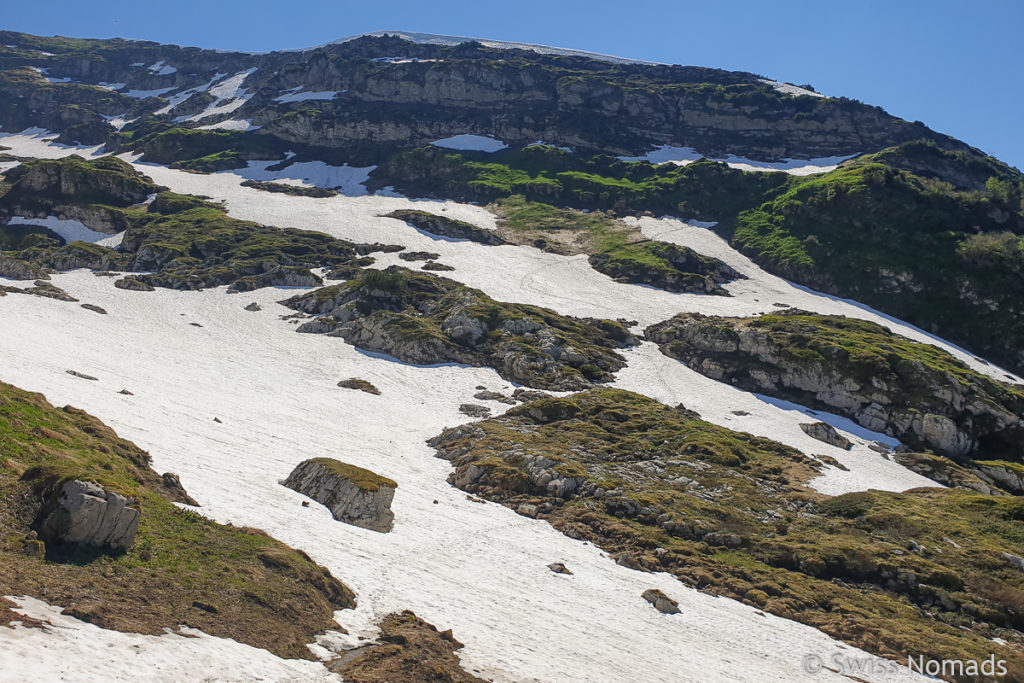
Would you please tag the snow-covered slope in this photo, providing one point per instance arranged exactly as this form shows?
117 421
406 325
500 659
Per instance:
477 568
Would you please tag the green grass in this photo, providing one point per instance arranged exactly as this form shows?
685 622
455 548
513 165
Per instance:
248 586
364 479
944 259
826 562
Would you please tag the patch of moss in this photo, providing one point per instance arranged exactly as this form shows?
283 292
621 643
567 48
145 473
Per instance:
364 479
914 247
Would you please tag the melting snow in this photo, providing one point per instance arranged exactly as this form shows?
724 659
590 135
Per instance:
78 651
231 124
230 96
681 156
790 89
301 96
349 180
274 392
471 143
161 69
143 94
70 230
177 98
275 389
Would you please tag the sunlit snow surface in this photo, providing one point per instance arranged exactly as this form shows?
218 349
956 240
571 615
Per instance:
299 95
349 180
70 230
681 156
476 568
471 143
72 650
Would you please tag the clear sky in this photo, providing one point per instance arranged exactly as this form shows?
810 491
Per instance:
956 65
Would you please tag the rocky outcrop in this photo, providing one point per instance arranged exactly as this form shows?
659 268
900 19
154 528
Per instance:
409 650
133 284
359 385
19 269
446 227
424 319
912 391
354 495
106 180
418 256
474 410
945 472
826 433
294 190
85 514
686 270
661 602
1006 475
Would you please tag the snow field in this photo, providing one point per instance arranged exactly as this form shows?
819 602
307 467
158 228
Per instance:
476 568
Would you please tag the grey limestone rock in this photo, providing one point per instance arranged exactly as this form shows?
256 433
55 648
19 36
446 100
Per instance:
86 514
354 495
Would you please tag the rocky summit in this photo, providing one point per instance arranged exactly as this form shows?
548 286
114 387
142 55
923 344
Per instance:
466 360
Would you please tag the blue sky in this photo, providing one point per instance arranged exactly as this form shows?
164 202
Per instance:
957 66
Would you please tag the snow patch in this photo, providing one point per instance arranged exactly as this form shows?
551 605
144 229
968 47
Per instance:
70 230
230 96
790 89
681 156
349 180
161 69
471 143
231 124
75 650
143 94
302 96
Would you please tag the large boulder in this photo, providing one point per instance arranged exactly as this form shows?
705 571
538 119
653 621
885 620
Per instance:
86 514
826 433
661 602
354 495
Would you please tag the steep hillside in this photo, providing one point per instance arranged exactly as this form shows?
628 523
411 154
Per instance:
605 293
387 90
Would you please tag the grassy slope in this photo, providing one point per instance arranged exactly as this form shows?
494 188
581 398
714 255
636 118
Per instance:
183 569
917 231
839 564
948 261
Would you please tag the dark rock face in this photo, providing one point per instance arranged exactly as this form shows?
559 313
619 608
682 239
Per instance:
85 514
446 227
353 495
418 256
18 269
689 272
826 433
133 284
474 410
917 393
661 602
